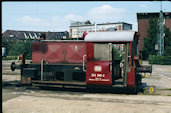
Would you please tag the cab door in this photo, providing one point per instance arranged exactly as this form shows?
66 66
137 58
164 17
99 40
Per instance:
99 64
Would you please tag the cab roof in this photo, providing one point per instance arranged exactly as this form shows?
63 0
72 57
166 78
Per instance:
116 36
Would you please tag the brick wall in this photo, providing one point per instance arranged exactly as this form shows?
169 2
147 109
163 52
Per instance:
142 29
168 23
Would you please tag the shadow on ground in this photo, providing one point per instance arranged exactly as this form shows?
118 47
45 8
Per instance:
70 89
14 83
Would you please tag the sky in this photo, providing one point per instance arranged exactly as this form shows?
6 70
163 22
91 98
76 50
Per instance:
57 16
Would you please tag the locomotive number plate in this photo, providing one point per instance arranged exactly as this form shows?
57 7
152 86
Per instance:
98 77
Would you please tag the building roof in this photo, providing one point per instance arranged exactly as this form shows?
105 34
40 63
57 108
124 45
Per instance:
114 23
147 15
15 34
117 36
101 24
83 25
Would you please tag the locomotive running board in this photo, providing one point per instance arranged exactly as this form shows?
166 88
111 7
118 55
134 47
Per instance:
55 83
118 83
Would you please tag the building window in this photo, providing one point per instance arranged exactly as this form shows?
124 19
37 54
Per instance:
11 35
26 36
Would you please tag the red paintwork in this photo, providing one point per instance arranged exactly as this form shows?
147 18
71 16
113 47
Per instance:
85 33
90 63
54 52
131 77
105 70
131 74
58 52
37 54
131 54
21 58
74 52
90 51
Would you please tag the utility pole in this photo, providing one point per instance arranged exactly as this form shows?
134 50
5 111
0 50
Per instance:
160 34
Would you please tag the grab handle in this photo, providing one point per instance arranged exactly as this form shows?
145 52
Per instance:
84 62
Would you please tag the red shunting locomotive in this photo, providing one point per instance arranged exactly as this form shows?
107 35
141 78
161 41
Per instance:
88 62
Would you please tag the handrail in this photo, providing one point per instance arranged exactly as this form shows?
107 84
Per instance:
84 62
42 69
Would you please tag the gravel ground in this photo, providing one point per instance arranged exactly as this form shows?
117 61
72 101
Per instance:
160 78
89 104
22 100
7 74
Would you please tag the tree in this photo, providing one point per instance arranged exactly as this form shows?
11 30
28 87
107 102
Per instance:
167 42
150 40
8 44
116 53
22 47
17 47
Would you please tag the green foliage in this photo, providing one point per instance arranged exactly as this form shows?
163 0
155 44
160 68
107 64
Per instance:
167 42
150 40
9 58
163 60
167 51
116 54
8 44
15 48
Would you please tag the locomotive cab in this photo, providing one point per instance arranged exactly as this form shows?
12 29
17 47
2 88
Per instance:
102 68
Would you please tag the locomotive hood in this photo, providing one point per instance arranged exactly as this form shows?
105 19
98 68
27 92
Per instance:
116 36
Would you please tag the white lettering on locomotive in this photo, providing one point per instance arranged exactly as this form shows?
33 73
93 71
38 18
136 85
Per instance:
99 79
97 75
93 75
100 75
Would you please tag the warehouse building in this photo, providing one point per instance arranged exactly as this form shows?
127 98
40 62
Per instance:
77 28
17 35
143 24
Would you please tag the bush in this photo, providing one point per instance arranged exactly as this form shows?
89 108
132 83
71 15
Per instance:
9 58
163 60
17 47
116 54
